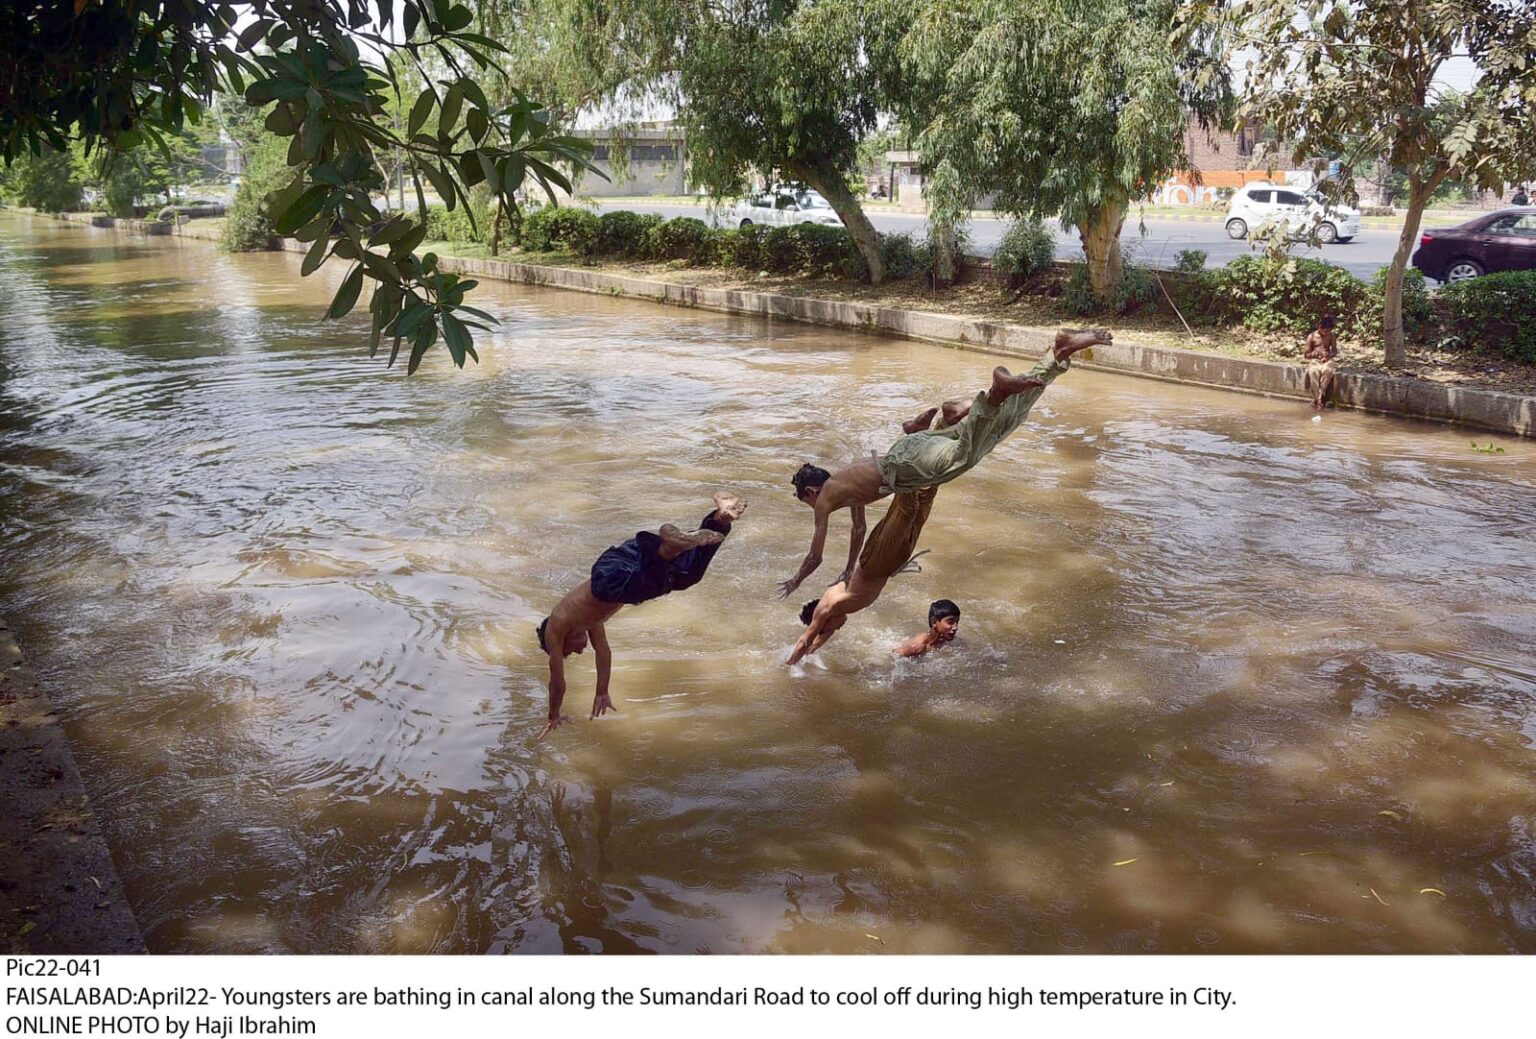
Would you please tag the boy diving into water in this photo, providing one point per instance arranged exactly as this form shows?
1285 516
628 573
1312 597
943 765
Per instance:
647 566
924 459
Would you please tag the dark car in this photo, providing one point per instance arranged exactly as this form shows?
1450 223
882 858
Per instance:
1501 241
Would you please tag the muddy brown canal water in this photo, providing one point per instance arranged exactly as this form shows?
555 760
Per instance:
1231 680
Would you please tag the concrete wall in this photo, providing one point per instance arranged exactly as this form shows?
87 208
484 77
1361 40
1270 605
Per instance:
59 891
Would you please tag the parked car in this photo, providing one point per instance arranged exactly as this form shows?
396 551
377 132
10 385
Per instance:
1255 205
783 207
1504 240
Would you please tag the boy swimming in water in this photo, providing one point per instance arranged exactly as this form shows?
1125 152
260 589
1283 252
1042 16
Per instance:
943 626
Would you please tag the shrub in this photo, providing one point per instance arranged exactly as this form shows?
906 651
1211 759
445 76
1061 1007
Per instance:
623 233
1026 248
246 227
682 238
1136 289
780 250
1494 312
823 251
741 247
49 182
511 221
1418 312
902 258
452 225
1190 261
1290 295
551 227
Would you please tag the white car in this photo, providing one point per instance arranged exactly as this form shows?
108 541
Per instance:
783 207
1298 212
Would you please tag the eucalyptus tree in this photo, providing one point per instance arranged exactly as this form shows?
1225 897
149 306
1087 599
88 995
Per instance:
1361 79
778 87
1069 108
116 75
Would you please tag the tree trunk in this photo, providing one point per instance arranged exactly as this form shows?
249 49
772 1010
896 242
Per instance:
1100 234
1396 354
825 178
946 257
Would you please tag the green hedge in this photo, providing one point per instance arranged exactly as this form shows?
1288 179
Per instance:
624 233
1027 247
682 238
246 225
453 225
1269 295
553 227
1496 312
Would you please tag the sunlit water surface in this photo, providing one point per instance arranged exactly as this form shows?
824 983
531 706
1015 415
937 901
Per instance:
1231 680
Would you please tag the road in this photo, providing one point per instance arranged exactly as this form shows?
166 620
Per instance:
1160 246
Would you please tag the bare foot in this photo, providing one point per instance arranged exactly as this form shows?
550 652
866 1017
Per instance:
728 507
1071 340
920 423
675 542
1005 384
955 411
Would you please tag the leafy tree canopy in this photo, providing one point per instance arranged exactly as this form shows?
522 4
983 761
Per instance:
781 87
1069 107
120 74
1360 79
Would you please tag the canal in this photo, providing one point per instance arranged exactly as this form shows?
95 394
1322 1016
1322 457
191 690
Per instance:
1229 680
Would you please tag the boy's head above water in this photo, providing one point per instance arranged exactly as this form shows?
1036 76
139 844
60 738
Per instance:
944 619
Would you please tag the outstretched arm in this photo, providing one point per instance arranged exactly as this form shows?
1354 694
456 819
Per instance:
915 646
804 643
823 637
855 540
555 639
600 702
812 559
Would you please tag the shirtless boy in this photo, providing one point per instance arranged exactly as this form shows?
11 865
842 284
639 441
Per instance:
647 566
928 458
943 626
889 551
1322 369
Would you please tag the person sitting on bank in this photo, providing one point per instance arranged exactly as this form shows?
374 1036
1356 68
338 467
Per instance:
1322 369
943 625
647 566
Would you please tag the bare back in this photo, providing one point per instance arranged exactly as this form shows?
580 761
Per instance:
580 610
857 484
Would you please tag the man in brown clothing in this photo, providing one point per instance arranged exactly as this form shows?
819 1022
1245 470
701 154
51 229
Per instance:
1322 369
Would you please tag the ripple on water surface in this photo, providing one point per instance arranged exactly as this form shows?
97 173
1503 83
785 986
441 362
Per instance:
1223 672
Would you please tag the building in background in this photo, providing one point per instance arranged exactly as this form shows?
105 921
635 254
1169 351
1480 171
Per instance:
655 161
1222 161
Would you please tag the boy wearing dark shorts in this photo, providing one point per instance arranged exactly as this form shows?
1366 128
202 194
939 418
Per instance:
647 566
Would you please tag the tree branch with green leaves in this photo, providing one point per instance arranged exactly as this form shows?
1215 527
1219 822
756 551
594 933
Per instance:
135 71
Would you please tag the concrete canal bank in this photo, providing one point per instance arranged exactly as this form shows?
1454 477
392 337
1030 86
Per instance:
1403 397
59 891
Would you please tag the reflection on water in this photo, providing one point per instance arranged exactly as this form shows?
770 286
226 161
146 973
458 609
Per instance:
1232 680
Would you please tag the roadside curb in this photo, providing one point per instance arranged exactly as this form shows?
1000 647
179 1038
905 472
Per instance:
1382 394
59 891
